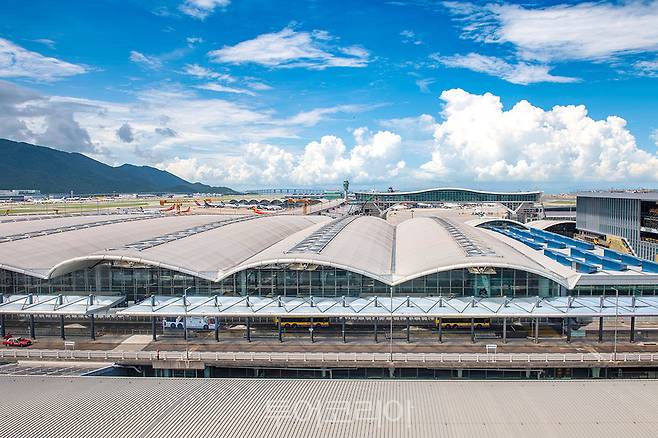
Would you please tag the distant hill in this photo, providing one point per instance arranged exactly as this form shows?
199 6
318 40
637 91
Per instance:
26 166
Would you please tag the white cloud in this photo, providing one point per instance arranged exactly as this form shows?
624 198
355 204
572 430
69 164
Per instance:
259 86
200 72
46 42
410 37
26 115
219 88
289 48
585 31
314 116
200 9
410 126
150 62
646 68
479 140
521 73
424 84
17 62
259 164
191 41
374 157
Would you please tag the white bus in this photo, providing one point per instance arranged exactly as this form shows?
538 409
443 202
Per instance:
193 322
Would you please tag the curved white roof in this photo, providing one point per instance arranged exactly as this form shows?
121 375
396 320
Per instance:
441 189
216 246
425 245
544 224
488 220
363 246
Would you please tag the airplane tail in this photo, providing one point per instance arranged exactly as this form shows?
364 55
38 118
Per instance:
197 203
205 204
170 208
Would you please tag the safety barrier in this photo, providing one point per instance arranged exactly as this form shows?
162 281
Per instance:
418 358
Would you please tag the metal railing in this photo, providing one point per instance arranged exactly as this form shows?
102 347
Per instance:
417 358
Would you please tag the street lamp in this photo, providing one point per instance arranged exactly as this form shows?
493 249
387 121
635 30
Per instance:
616 322
187 350
390 341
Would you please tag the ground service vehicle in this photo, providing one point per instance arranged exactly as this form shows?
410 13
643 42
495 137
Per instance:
302 322
193 322
453 323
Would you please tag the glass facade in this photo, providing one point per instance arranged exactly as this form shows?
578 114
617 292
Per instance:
609 290
488 282
138 282
447 195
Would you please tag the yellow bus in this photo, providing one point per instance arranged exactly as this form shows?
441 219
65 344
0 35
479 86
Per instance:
453 323
302 322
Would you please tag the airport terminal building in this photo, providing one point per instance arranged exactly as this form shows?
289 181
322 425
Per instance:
631 216
522 206
353 266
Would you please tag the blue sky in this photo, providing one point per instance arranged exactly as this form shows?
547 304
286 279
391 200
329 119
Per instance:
501 95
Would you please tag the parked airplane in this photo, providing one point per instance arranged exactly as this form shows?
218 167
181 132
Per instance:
400 207
270 207
207 204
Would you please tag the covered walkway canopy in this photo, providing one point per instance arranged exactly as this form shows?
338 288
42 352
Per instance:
80 305
56 305
397 307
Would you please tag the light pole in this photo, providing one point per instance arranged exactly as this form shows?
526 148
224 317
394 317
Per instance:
187 350
390 341
616 322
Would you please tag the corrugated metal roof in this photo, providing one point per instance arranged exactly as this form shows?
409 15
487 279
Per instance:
63 407
213 247
644 196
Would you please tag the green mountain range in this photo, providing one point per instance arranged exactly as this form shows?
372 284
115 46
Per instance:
26 166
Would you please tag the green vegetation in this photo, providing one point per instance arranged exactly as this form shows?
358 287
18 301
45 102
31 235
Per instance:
75 207
26 166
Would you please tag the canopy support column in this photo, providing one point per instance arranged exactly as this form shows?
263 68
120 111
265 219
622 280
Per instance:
278 327
3 330
568 329
343 328
248 329
408 330
504 330
31 318
217 324
32 331
601 329
440 330
632 329
92 319
375 330
185 327
312 330
92 326
473 330
61 327
154 333
536 320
